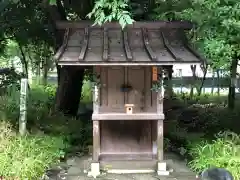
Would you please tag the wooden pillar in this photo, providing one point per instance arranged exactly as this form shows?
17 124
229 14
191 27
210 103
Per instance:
160 97
96 124
96 141
160 140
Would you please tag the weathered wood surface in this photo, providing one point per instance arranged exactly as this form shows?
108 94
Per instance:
23 107
96 141
123 116
156 44
113 99
137 24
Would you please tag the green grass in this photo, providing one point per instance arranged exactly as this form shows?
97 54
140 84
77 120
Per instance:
192 129
207 132
27 157
50 136
224 151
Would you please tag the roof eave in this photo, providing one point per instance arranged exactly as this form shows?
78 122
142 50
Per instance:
77 63
137 24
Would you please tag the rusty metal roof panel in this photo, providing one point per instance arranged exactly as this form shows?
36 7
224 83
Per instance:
131 46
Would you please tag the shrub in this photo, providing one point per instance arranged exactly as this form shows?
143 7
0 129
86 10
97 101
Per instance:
194 127
223 152
27 157
9 78
87 91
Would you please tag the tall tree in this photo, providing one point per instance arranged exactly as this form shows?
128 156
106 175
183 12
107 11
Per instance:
217 33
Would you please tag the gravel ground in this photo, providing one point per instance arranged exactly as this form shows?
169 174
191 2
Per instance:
75 168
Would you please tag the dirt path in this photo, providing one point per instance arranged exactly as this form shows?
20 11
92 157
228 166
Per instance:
75 168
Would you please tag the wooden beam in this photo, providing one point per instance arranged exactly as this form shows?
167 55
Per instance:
169 48
84 45
61 50
128 165
160 93
96 94
160 140
96 141
125 80
138 24
149 50
128 117
126 46
125 63
105 45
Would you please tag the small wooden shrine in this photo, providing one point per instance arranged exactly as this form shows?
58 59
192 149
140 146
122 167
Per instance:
128 90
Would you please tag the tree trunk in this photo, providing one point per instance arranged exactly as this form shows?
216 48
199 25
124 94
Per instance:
69 90
70 79
218 83
151 6
38 73
204 69
194 78
232 84
45 72
213 82
169 88
23 61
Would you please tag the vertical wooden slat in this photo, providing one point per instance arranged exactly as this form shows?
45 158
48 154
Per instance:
149 50
96 94
169 48
126 46
107 84
151 85
61 50
105 45
96 141
126 82
160 101
160 140
96 124
160 98
96 100
104 87
84 45
160 93
144 93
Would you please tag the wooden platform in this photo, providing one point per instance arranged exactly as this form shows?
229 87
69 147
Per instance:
129 165
124 116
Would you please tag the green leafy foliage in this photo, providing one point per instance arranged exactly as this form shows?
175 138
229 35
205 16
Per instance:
9 78
52 2
111 10
205 132
217 26
223 152
24 26
27 157
50 136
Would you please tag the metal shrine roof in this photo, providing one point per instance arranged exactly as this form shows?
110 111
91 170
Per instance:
143 43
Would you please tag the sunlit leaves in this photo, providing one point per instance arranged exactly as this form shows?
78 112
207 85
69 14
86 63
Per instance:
111 10
220 28
218 25
52 2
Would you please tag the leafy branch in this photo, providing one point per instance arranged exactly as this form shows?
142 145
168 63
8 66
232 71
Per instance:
111 10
